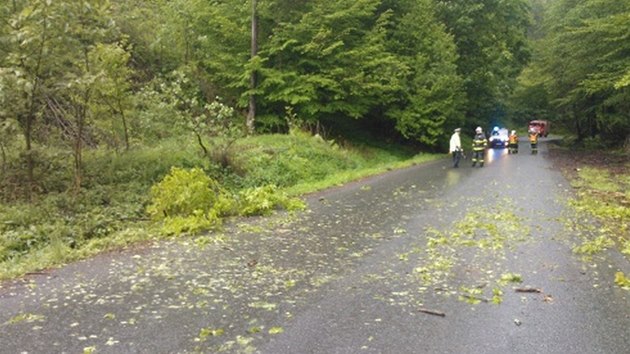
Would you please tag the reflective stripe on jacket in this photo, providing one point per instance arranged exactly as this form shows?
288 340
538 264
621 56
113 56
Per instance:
479 142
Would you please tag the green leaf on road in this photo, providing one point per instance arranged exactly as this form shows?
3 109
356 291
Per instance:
276 330
622 280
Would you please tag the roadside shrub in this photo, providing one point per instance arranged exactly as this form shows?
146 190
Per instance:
191 201
183 192
197 222
188 200
264 200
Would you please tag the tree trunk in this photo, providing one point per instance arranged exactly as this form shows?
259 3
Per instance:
251 114
30 162
124 122
578 125
31 114
4 159
78 149
81 116
200 142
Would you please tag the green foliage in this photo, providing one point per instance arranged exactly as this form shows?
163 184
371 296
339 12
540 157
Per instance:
192 224
204 333
530 100
113 93
140 167
431 96
285 160
190 201
471 295
311 65
597 179
63 219
263 200
601 186
603 195
582 63
490 36
187 200
220 123
622 281
596 245
183 192
497 296
104 97
510 278
156 112
390 60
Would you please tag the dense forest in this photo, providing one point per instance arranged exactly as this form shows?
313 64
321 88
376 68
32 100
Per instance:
99 99
114 74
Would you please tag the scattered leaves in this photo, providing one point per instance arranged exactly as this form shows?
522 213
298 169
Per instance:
276 330
26 317
622 281
510 278
204 333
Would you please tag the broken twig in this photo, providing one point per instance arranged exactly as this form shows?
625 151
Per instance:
528 290
432 312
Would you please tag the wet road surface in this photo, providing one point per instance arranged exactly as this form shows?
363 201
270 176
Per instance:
428 259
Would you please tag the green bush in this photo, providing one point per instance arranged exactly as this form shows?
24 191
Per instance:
264 200
189 200
182 193
192 224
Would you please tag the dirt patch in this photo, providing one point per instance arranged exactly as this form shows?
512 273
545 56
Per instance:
571 160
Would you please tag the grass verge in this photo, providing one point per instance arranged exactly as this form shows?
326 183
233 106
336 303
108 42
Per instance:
111 212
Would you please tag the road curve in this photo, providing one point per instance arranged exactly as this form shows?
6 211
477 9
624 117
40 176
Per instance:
428 259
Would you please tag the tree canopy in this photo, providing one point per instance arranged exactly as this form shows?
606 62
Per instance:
581 68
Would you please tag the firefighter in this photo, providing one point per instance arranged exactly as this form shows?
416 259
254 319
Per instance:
533 141
513 143
479 146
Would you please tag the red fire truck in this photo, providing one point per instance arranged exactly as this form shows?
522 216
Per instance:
539 126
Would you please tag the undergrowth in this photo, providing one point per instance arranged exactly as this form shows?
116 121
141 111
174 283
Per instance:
170 189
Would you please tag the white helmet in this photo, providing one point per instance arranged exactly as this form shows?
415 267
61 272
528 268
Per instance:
513 132
478 130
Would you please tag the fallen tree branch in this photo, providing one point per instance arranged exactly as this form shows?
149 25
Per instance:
528 290
432 312
472 297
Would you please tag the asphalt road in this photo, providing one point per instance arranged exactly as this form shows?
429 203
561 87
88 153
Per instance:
428 259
